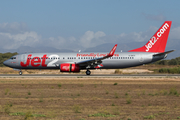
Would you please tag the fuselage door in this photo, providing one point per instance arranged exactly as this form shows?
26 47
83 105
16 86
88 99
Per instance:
23 57
17 60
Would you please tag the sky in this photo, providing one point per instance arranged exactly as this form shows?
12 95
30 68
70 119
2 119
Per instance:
81 24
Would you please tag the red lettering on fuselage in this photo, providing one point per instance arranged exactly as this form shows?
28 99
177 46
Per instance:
27 62
94 55
35 61
44 60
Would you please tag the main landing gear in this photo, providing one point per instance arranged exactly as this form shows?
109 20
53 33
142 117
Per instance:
88 72
20 72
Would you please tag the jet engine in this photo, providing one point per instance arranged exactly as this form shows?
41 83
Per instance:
67 67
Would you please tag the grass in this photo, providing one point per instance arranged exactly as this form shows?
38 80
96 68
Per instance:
128 100
6 91
116 95
115 83
28 115
107 92
41 99
76 108
117 71
149 117
64 103
113 104
17 114
81 85
173 91
101 115
59 85
7 107
29 93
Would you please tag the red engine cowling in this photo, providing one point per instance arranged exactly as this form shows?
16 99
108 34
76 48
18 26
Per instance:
67 67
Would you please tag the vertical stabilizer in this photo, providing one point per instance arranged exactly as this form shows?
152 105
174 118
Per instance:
158 41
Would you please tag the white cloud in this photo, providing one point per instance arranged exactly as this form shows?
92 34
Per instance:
91 39
12 39
13 27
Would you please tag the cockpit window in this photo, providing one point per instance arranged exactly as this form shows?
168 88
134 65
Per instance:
13 58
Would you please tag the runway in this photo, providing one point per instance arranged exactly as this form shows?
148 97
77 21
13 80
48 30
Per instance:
87 76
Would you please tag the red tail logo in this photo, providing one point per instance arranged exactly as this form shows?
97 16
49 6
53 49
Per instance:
157 43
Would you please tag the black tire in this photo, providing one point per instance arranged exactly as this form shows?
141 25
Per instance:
20 72
88 72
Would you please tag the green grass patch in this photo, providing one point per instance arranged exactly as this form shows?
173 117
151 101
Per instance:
128 100
173 91
59 85
29 93
28 114
77 108
101 115
115 83
149 117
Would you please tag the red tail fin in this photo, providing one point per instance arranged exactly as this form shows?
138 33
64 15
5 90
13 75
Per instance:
111 53
158 41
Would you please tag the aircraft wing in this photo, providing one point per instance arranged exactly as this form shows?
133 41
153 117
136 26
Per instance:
97 61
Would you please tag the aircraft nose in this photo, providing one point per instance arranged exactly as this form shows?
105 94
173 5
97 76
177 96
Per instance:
5 63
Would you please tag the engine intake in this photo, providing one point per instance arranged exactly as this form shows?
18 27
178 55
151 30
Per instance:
67 67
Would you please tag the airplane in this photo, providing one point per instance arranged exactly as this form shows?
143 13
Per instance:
152 51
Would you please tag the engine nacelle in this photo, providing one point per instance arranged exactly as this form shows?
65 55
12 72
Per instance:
67 67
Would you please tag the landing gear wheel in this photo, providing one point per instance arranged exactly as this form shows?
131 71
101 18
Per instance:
20 72
88 72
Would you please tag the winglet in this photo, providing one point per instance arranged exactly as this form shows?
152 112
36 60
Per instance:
111 53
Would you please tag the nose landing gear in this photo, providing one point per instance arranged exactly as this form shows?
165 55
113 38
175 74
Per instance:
20 72
88 72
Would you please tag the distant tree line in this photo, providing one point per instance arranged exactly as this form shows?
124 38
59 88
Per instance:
175 61
5 56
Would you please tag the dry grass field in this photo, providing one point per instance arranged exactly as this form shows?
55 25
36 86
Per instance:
89 98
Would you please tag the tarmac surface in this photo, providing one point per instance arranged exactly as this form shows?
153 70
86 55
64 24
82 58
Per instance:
89 76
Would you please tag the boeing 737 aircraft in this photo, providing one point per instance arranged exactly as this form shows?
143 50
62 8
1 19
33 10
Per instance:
152 51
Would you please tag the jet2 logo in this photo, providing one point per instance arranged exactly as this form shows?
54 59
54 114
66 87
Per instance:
37 61
153 40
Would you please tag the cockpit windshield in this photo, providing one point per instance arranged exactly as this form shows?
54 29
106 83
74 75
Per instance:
12 58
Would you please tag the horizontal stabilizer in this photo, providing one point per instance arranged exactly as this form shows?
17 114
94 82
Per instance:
159 54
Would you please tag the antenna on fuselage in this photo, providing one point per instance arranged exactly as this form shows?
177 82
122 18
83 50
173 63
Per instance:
79 50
